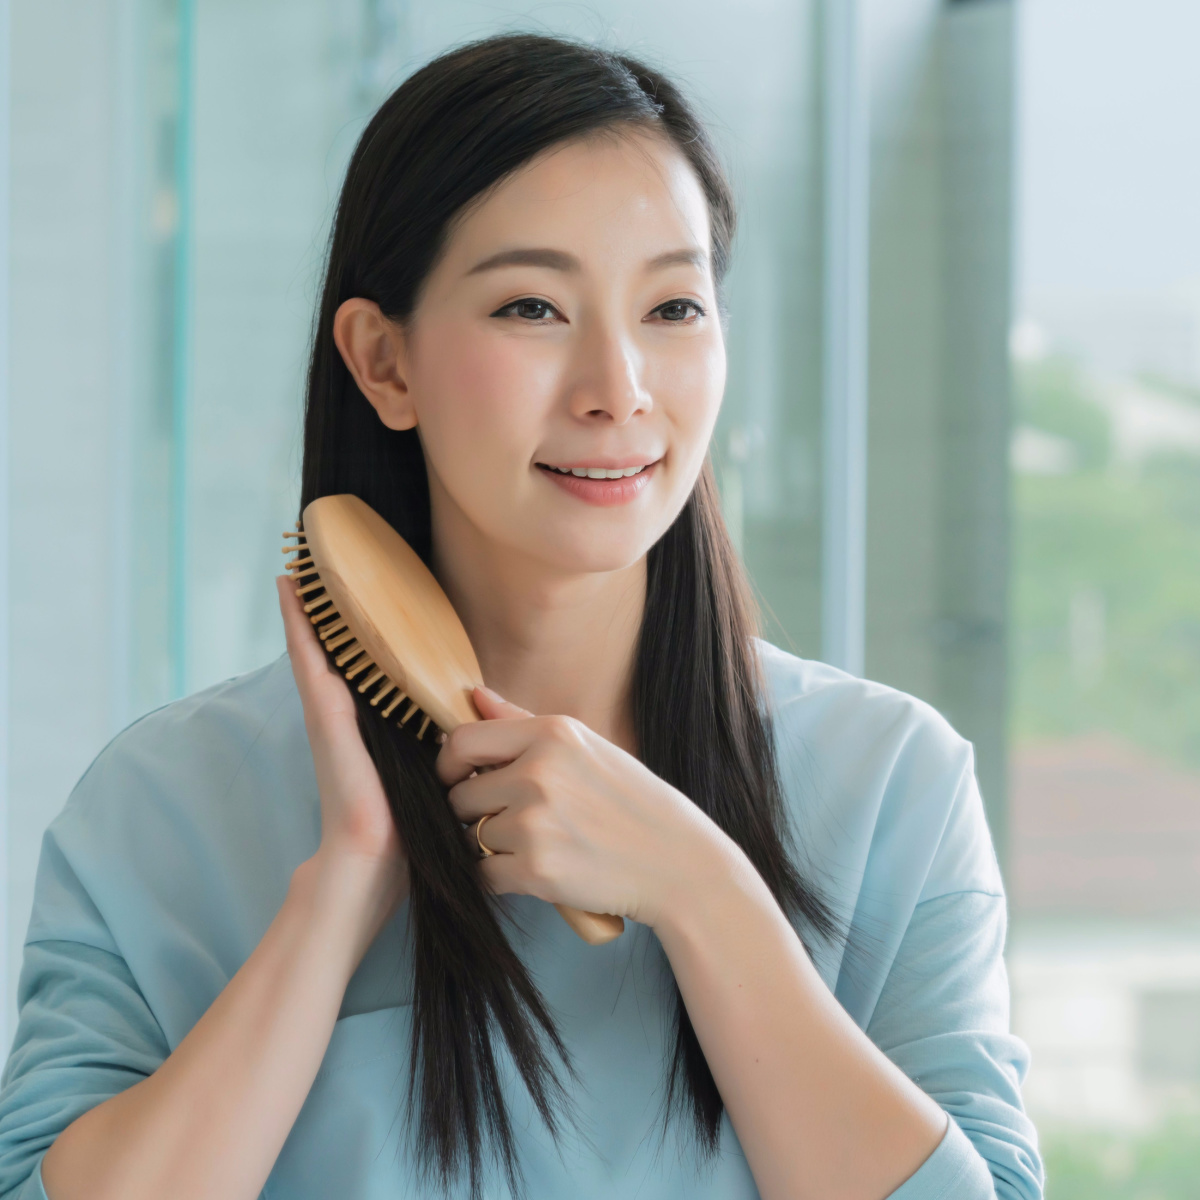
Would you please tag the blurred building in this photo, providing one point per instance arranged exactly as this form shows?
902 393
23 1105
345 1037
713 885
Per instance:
1104 881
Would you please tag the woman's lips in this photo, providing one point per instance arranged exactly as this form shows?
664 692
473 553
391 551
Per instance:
601 492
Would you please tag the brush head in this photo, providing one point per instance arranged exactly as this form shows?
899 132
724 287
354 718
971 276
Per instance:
394 607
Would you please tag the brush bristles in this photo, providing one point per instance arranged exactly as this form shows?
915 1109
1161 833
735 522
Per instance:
375 676
339 640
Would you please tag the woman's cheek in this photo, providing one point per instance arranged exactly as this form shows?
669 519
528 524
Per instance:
483 420
689 390
500 386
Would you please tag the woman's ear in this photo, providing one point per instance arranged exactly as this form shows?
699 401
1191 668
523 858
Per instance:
373 349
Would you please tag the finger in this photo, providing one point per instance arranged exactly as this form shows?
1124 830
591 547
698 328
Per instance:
498 835
500 873
302 645
490 792
492 706
485 744
310 664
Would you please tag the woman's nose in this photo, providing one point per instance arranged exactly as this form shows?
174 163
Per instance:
609 384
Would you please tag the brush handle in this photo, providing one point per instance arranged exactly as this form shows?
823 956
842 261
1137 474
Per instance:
594 928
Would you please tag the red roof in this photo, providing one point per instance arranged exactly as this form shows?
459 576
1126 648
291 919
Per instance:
1099 827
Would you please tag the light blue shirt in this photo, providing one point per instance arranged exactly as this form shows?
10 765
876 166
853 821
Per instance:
174 853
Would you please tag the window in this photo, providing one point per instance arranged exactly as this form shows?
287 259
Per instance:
1105 710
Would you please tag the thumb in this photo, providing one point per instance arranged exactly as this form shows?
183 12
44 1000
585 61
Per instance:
493 707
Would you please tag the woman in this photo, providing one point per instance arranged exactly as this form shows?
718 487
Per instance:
235 944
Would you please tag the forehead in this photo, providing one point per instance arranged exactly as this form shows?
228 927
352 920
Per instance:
620 193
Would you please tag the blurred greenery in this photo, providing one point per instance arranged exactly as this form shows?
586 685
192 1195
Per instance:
1120 543
1163 1164
1054 396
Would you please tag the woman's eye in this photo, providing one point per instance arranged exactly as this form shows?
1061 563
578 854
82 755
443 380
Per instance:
529 309
680 311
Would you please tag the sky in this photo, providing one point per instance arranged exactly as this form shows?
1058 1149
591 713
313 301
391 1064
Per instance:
1108 146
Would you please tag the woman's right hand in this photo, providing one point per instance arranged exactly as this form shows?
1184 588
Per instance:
358 835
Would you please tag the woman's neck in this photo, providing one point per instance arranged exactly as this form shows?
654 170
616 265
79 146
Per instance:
550 642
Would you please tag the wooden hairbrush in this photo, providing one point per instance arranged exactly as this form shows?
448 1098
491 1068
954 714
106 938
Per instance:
385 622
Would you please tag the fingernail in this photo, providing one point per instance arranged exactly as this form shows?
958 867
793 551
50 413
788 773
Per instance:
492 695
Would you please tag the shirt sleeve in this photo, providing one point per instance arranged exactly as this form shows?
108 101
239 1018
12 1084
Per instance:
943 1019
84 1033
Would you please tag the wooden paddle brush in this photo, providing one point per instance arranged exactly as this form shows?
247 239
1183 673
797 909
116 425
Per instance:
387 624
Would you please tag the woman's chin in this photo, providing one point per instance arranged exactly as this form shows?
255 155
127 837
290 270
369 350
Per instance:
588 551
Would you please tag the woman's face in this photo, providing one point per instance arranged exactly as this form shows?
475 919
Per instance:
565 362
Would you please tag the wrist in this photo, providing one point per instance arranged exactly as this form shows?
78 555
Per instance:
708 866
348 898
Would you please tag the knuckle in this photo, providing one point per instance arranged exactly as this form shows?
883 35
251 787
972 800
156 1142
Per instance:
539 778
530 825
564 730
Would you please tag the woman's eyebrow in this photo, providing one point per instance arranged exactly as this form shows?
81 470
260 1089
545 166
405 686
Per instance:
674 258
556 260
560 260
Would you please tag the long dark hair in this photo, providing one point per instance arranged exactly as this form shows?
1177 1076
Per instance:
446 135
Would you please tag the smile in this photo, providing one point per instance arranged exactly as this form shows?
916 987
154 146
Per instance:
602 486
596 472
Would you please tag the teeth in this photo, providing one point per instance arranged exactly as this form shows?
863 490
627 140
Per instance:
599 472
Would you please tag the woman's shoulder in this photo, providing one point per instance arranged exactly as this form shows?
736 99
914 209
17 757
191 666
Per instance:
196 812
880 786
816 707
198 747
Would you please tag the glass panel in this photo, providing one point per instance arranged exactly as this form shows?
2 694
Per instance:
280 89
157 241
1105 803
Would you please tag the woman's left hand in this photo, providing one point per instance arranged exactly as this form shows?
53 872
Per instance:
576 820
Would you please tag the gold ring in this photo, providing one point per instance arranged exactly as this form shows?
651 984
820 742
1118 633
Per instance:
483 850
